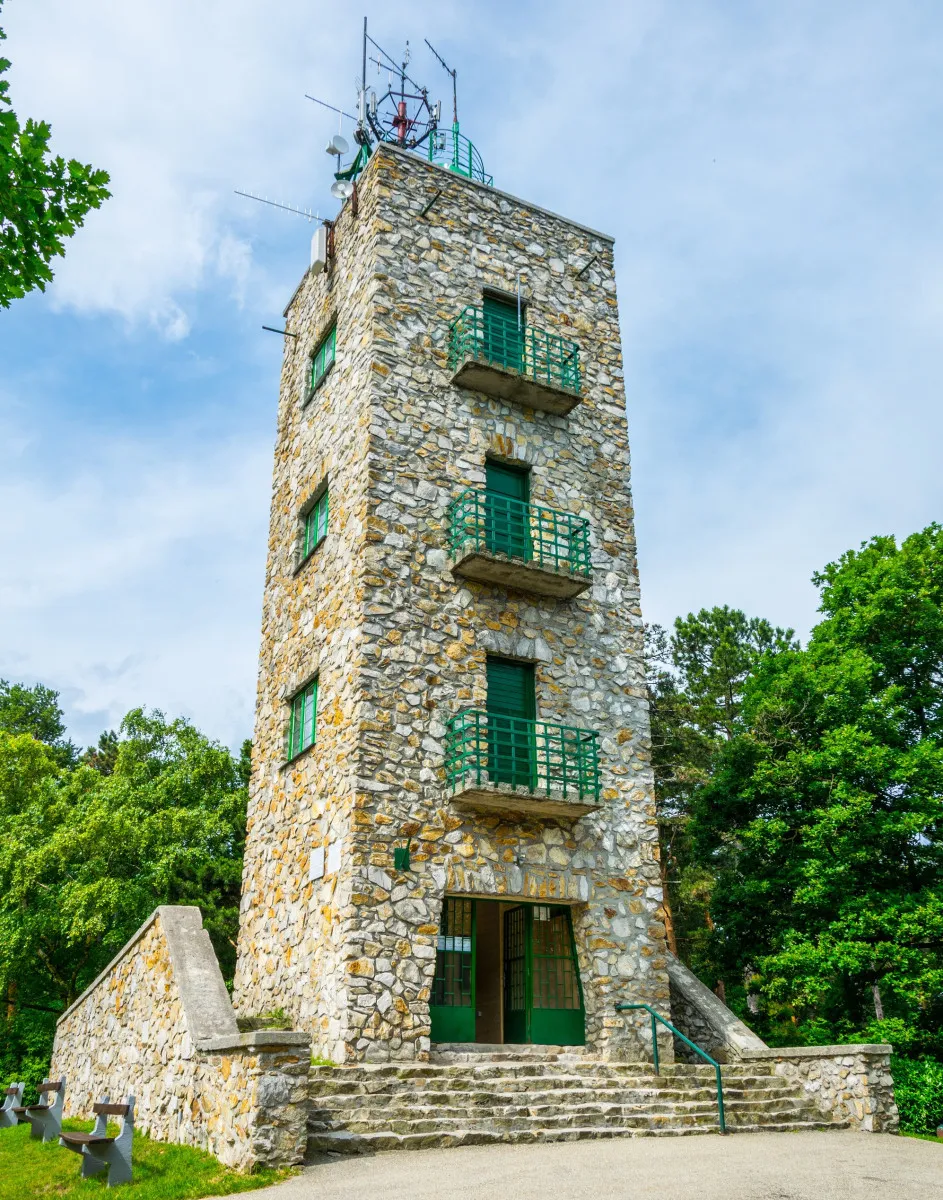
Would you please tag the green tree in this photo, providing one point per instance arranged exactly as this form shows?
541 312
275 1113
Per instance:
85 856
43 199
35 710
696 678
822 818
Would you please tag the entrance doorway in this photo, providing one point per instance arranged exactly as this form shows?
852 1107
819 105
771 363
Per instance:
506 972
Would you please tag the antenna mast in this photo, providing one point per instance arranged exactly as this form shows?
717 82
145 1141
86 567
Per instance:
449 71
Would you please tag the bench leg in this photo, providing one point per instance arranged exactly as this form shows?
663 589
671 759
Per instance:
91 1163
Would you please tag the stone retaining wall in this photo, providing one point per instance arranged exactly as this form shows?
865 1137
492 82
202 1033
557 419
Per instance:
158 1024
705 1019
848 1083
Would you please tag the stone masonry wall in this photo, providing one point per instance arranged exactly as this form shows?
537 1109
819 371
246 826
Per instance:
290 944
146 1027
404 644
848 1083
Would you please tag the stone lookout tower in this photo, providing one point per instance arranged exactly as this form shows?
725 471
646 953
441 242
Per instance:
451 832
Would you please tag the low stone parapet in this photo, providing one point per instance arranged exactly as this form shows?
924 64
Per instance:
848 1083
158 1023
251 1096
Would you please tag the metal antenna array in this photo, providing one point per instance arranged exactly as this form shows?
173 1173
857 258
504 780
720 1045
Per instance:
449 71
301 212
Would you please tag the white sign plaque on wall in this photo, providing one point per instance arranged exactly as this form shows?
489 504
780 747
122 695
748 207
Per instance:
316 868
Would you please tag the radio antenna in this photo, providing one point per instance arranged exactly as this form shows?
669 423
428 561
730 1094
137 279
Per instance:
301 212
449 71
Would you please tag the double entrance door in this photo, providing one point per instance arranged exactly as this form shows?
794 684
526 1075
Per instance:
506 972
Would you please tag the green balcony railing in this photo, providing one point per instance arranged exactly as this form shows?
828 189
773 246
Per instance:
556 541
554 760
499 340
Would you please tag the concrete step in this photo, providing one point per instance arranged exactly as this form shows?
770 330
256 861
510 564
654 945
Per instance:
407 1101
552 1116
371 1143
462 1076
537 1098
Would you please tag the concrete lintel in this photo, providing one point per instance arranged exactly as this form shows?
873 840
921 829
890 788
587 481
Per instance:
502 571
259 1039
771 1052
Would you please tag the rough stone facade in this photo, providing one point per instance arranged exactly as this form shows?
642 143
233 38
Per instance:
398 644
847 1083
158 1024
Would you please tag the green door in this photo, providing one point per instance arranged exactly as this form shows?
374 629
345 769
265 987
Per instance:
512 707
543 1001
452 1004
503 335
556 998
507 526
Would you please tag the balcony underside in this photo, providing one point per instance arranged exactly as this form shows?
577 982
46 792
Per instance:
486 567
502 797
504 383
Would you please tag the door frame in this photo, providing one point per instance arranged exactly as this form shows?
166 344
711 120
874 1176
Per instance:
509 903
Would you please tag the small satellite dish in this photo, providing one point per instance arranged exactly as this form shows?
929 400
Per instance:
341 189
337 145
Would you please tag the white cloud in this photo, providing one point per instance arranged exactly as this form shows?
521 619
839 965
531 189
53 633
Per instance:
769 173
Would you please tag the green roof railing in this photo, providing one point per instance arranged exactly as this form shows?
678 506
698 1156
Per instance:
453 150
485 521
658 1019
493 338
490 748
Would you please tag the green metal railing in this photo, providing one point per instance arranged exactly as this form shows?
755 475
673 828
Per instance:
489 748
493 338
453 150
558 541
657 1018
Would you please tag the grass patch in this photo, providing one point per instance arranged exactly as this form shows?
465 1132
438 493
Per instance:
922 1137
161 1171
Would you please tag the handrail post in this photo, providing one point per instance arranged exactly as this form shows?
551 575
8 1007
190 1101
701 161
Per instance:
718 1079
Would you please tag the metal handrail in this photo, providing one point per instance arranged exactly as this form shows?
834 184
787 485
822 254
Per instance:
493 338
536 755
483 520
656 1016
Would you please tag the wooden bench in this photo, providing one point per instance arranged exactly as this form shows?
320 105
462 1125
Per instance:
100 1152
45 1119
12 1098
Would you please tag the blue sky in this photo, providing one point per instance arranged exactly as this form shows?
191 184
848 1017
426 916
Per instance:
772 175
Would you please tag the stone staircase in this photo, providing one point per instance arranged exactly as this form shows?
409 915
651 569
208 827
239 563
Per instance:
538 1094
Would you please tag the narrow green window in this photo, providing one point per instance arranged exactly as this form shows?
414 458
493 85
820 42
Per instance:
315 526
323 358
302 722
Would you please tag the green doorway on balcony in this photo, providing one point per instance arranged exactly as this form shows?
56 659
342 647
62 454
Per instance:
506 972
503 332
512 709
507 522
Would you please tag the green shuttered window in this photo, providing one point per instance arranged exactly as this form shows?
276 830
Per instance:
323 358
315 525
302 722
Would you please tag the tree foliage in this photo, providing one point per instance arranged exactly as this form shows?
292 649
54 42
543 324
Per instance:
155 815
696 678
43 199
822 816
